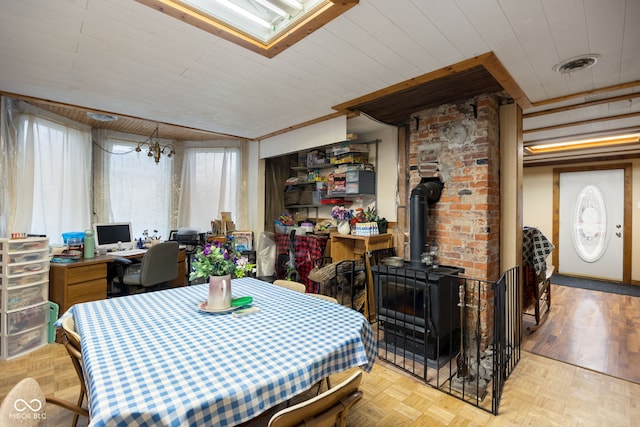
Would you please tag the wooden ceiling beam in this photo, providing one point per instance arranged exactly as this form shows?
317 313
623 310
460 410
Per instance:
586 93
583 122
582 105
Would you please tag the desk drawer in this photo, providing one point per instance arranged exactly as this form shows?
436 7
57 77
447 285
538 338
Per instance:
85 273
88 291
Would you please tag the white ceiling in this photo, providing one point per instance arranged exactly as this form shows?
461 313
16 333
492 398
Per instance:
122 57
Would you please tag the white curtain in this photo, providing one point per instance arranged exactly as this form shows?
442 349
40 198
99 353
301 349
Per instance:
130 187
46 175
209 185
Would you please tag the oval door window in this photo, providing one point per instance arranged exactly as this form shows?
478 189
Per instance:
590 224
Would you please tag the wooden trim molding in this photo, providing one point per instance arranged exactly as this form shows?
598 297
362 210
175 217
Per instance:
487 60
586 93
583 105
582 122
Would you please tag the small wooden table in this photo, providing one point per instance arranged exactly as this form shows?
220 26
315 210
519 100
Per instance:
347 246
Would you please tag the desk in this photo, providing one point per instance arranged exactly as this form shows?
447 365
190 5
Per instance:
86 279
154 358
347 246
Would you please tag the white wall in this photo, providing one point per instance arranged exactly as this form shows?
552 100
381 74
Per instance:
387 172
316 135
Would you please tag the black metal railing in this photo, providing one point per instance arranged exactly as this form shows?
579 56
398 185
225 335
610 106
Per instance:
457 334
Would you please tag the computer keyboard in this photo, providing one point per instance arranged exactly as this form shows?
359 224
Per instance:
128 252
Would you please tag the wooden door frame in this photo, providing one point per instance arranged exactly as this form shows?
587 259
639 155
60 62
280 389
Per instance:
626 226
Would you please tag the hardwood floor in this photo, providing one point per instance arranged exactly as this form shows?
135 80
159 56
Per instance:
540 392
591 331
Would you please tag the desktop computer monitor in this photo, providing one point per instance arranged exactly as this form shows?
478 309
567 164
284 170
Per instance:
113 236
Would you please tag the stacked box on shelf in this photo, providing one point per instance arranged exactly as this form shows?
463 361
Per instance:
360 182
347 147
24 295
316 158
337 184
352 182
349 158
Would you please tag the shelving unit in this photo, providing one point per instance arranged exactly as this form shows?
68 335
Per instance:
24 295
358 183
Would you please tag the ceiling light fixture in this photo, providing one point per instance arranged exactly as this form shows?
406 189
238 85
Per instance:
267 27
577 63
584 143
101 117
155 149
273 7
245 13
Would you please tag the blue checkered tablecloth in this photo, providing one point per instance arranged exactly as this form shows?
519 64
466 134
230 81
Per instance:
155 359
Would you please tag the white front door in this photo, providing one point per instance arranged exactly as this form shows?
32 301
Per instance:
591 224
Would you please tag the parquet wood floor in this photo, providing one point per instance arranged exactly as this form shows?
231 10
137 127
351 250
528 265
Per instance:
540 392
591 331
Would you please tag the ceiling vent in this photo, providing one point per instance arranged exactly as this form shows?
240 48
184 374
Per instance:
576 63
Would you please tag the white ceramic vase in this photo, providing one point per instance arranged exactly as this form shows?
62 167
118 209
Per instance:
344 227
219 292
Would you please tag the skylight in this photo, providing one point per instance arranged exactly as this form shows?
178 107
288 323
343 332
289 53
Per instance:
264 26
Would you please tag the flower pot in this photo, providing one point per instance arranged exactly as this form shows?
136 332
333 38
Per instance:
219 292
344 227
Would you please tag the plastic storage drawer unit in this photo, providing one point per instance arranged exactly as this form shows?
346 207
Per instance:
27 341
28 318
26 295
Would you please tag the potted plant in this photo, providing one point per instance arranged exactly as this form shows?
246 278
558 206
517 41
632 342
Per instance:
220 262
342 215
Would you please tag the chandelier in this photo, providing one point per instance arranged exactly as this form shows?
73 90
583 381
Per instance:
155 149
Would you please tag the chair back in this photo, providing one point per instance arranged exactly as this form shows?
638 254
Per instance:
290 284
74 349
24 405
327 409
324 297
159 264
69 330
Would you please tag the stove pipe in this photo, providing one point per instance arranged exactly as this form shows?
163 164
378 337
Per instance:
428 191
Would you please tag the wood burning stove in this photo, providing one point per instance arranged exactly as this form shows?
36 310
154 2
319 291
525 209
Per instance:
418 309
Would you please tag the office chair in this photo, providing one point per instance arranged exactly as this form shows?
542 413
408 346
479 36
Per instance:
24 405
159 265
192 241
327 409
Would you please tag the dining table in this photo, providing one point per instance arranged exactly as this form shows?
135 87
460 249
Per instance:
163 359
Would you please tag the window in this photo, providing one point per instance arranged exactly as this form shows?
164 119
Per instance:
267 27
131 187
49 169
210 185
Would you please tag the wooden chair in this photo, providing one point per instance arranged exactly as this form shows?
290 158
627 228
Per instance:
324 297
327 409
73 347
371 259
24 405
290 284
